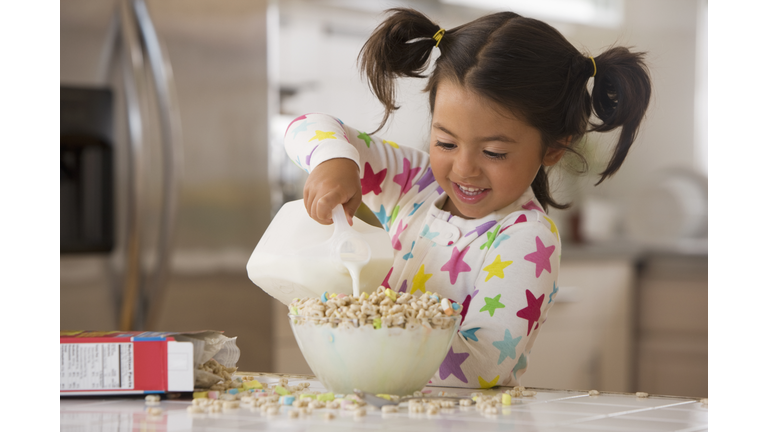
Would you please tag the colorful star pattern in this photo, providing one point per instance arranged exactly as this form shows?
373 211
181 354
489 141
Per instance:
470 333
427 234
405 178
309 156
301 127
381 215
485 384
507 346
465 305
552 227
403 286
385 283
427 179
522 364
321 135
395 213
392 143
371 182
292 122
409 255
452 365
456 264
555 289
491 304
496 268
500 239
541 257
415 207
396 237
420 280
491 237
364 136
530 205
481 229
532 312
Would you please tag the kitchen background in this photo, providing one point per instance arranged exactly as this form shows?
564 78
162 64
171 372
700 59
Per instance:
198 172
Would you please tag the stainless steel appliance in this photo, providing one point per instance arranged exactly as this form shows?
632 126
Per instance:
191 106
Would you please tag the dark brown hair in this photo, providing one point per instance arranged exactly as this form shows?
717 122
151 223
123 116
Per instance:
522 64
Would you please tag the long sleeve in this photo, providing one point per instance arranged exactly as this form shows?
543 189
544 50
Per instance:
390 174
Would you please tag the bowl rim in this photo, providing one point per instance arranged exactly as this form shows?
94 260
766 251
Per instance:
356 321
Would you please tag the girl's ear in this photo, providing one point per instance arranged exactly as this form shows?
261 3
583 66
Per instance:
554 154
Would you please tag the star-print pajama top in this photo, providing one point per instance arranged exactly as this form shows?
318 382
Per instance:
501 268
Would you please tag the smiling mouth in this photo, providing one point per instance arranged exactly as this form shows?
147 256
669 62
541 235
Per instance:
470 191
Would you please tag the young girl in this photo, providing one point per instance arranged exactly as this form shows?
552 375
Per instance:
508 96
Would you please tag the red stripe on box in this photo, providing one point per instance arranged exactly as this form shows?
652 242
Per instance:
150 363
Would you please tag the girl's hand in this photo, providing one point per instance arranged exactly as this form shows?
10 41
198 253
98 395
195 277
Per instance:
333 182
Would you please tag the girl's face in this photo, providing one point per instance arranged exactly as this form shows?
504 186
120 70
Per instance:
484 157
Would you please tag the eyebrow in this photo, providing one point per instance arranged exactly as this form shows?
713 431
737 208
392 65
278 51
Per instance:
500 138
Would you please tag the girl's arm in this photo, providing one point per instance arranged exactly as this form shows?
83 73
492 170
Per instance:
510 301
386 172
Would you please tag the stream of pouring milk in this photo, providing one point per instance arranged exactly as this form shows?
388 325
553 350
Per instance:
354 268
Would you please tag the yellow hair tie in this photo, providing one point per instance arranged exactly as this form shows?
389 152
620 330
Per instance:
438 36
594 66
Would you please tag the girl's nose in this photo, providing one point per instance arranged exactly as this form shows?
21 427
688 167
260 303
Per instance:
465 166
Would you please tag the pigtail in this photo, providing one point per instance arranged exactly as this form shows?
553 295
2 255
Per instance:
399 47
620 97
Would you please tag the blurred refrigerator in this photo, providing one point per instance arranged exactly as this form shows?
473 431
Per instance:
166 106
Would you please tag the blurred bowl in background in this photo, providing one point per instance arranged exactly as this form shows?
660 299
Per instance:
345 354
671 209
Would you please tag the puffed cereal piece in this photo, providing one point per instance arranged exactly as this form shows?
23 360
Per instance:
194 409
529 393
594 393
491 410
152 399
329 416
231 405
389 409
273 411
465 402
641 394
433 410
293 414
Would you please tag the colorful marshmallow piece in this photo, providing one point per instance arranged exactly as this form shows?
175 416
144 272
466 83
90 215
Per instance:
384 396
282 391
200 395
325 397
253 384
287 400
377 323
391 294
506 399
324 297
455 306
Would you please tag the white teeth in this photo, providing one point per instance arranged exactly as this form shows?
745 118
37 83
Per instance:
470 191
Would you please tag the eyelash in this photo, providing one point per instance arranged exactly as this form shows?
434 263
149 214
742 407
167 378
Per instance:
490 155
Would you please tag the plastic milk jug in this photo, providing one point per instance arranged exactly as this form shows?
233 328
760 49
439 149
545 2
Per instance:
291 260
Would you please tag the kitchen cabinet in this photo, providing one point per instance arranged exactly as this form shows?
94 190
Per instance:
672 332
586 341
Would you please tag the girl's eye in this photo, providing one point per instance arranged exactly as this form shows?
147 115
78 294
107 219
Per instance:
493 155
445 146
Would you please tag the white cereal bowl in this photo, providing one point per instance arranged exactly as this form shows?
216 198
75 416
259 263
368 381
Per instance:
346 356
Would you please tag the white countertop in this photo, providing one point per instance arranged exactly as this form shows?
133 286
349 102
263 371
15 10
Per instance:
549 410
